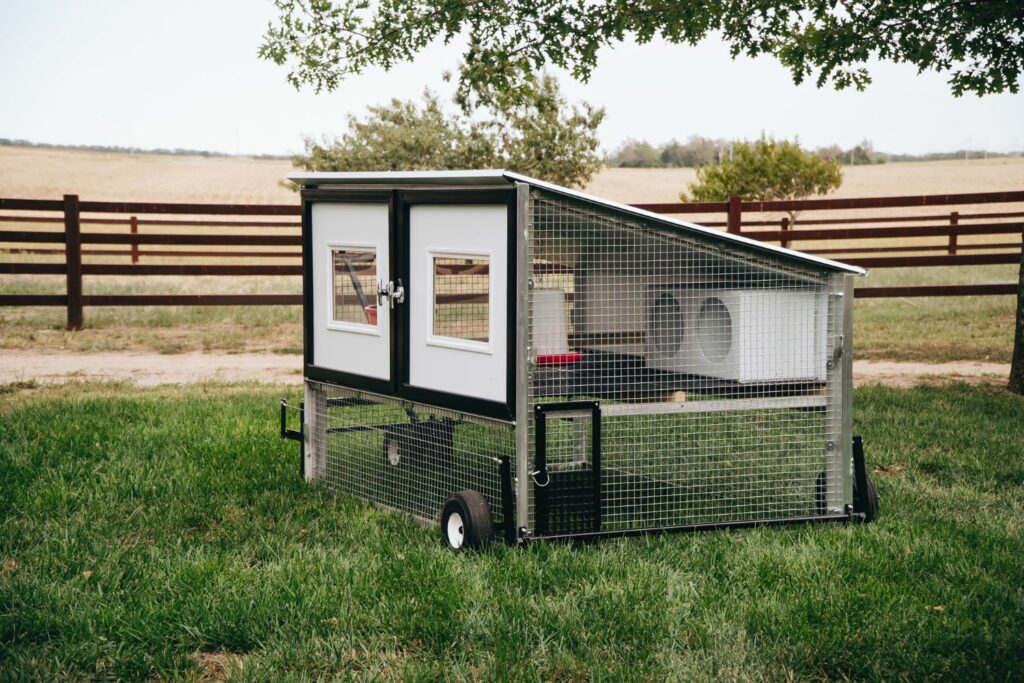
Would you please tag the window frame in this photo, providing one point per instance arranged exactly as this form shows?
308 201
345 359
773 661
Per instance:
346 325
459 343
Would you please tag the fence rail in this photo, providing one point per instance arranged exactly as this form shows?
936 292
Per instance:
805 222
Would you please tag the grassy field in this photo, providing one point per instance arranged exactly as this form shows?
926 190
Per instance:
165 534
973 328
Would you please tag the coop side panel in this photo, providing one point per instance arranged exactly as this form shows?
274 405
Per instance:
709 366
406 456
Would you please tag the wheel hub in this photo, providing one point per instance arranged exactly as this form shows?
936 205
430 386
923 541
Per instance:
456 530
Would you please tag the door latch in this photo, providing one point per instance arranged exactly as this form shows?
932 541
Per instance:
395 294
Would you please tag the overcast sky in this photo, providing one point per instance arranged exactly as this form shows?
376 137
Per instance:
185 74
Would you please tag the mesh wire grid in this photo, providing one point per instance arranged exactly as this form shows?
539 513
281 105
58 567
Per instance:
401 455
713 369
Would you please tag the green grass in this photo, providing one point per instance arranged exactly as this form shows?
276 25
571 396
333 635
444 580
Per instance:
141 527
934 329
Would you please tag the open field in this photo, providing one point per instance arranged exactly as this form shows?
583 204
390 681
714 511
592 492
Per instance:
48 174
929 329
179 542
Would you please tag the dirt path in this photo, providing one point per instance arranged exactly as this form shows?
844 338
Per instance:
148 369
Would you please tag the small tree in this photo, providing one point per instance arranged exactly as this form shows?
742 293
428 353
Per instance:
766 169
542 137
636 154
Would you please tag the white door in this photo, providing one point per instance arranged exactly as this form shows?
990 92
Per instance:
350 256
458 299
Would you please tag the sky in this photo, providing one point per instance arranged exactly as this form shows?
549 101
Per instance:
185 74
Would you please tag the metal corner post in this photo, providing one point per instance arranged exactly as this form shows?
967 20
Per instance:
522 351
846 439
838 450
313 446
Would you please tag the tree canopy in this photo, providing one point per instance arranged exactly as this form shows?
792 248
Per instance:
979 45
766 169
543 136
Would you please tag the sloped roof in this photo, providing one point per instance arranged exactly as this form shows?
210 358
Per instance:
497 177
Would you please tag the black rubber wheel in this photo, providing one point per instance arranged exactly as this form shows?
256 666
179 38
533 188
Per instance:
466 521
871 508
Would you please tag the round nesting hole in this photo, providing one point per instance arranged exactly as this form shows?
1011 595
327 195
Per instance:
714 330
667 324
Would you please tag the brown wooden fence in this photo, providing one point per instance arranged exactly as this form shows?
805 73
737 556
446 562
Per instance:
971 229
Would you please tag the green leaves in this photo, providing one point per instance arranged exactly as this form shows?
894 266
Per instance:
766 169
539 135
980 45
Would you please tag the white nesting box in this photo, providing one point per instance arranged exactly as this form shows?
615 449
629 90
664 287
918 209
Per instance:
742 335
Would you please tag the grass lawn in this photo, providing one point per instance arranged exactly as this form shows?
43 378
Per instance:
153 534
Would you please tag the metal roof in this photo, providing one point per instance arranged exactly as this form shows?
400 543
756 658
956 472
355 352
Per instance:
499 177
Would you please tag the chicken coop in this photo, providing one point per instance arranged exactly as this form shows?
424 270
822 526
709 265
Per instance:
507 358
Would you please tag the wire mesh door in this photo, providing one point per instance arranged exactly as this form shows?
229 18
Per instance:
567 478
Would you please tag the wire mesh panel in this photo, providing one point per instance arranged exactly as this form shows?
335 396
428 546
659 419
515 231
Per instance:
405 456
711 366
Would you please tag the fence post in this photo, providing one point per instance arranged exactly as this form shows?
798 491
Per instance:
735 211
73 261
134 222
784 225
954 220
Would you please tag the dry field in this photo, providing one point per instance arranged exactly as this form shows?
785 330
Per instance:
976 328
48 174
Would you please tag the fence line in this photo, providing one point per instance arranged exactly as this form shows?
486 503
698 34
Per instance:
68 242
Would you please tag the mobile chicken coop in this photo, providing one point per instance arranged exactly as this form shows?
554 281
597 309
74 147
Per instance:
503 356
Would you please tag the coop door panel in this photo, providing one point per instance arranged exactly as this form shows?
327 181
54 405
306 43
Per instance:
457 299
350 255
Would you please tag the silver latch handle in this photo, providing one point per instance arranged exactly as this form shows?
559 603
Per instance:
395 294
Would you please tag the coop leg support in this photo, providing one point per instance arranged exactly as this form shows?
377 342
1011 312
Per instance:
860 474
313 445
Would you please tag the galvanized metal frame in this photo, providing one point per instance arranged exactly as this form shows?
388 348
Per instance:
523 371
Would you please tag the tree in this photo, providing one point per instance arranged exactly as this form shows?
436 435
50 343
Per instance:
766 169
980 45
636 154
542 137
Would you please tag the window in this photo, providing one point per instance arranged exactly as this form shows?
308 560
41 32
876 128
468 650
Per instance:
462 298
354 283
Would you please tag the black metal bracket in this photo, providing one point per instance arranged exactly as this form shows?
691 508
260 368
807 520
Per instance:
507 500
294 434
860 476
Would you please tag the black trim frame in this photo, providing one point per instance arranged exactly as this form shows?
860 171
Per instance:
311 370
399 202
467 404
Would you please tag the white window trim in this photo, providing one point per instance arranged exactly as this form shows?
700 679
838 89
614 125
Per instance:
344 325
454 342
